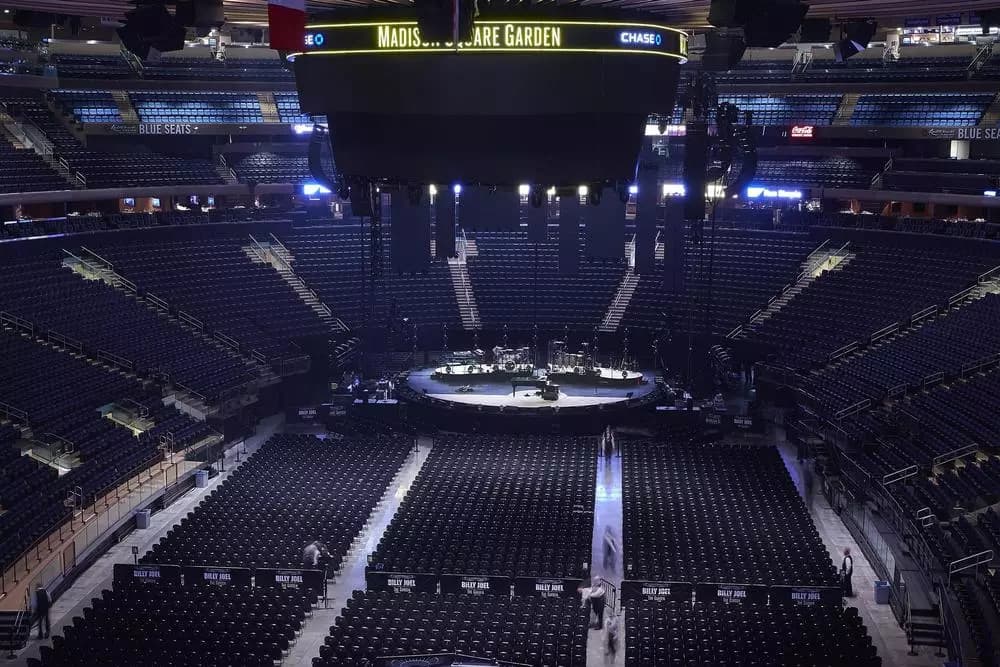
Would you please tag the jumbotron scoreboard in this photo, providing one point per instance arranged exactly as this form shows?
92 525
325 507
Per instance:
557 98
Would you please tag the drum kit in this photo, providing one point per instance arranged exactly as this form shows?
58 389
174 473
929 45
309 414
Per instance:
511 359
563 361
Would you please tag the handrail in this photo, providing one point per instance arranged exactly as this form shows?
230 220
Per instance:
899 475
99 258
897 390
141 409
258 356
884 331
923 314
113 358
192 392
158 302
13 413
840 352
90 265
275 239
989 275
959 296
853 409
613 308
975 560
974 366
65 341
956 454
191 319
932 378
66 446
124 282
17 322
231 342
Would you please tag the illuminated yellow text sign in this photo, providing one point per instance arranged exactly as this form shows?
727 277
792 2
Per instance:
501 36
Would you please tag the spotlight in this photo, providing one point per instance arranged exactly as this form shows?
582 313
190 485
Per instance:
457 188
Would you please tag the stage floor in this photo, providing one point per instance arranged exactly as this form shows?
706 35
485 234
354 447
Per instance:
497 393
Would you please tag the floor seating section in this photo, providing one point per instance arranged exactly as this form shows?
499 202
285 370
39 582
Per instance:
331 260
101 169
215 281
288 109
104 319
879 286
678 633
295 490
749 267
76 66
678 528
268 167
921 109
24 170
508 293
196 107
231 69
535 631
89 106
905 361
502 506
972 177
787 109
61 394
160 624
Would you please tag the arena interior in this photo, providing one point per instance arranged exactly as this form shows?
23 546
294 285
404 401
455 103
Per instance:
373 333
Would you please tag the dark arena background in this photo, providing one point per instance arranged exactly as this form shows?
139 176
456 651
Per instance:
373 333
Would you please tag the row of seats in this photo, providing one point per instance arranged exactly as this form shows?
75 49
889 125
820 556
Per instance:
297 489
716 513
873 288
496 505
215 281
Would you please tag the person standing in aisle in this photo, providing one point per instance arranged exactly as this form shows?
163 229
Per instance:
846 572
597 601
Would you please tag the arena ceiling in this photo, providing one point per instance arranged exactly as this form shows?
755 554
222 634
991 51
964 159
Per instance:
683 13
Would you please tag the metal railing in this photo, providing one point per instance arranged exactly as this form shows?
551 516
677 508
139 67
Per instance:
106 263
975 560
975 366
956 454
191 320
64 341
923 314
77 533
158 302
13 413
883 332
899 475
853 409
17 322
115 360
227 340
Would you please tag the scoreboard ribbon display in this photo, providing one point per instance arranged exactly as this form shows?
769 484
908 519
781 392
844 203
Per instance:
512 36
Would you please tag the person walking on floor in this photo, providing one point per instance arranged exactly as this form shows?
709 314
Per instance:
846 572
597 601
611 629
585 590
610 550
42 603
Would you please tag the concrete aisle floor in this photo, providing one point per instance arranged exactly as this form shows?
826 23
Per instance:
607 516
888 636
352 576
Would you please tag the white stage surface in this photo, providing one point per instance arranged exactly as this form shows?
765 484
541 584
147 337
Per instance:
496 392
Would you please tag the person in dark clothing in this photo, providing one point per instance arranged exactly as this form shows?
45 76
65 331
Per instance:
597 603
43 607
846 572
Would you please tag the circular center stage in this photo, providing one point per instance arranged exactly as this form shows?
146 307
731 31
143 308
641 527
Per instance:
488 388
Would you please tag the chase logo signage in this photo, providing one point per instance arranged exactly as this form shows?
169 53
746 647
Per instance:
639 38
512 36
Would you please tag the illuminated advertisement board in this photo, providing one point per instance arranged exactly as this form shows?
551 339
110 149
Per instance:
501 36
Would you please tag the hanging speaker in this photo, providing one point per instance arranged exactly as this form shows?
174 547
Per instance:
695 170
